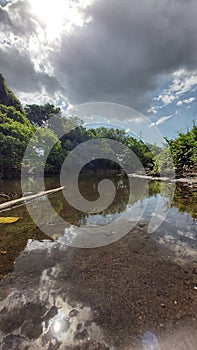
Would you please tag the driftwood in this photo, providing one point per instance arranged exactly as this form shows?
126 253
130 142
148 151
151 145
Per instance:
10 204
188 180
4 196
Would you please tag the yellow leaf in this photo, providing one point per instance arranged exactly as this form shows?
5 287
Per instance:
8 220
3 252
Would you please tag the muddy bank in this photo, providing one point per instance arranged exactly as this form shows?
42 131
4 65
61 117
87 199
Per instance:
131 291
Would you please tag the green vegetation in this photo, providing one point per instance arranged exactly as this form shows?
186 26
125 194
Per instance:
38 115
15 132
180 154
7 97
18 126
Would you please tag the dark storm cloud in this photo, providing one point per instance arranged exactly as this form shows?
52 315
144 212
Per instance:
120 55
21 75
5 21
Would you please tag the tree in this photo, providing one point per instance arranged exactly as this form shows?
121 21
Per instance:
7 97
15 133
182 151
44 142
163 162
38 115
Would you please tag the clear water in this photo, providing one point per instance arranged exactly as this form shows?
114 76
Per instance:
130 294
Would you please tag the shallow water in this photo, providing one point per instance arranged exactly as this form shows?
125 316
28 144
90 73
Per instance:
175 217
136 293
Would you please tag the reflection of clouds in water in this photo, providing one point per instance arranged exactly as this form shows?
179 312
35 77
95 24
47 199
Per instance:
72 324
179 234
57 321
170 234
182 249
39 315
178 231
150 342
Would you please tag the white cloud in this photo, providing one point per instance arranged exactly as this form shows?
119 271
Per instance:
166 98
187 101
183 81
161 120
153 110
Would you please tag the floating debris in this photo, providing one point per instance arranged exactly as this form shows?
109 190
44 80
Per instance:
9 220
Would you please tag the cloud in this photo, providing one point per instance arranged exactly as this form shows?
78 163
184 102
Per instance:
166 98
182 82
153 110
117 56
21 75
17 20
187 101
120 54
161 120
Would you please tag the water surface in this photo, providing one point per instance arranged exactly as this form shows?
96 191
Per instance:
136 293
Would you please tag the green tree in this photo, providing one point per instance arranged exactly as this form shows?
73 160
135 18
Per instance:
14 136
7 97
38 115
44 142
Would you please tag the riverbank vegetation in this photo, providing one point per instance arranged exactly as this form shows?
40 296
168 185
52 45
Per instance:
18 125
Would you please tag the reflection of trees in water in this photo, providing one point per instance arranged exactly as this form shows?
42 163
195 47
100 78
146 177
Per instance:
185 199
154 187
89 189
139 189
162 188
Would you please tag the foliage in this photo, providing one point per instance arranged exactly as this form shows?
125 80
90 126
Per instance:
46 148
15 132
141 150
163 163
10 112
180 154
38 115
7 97
11 154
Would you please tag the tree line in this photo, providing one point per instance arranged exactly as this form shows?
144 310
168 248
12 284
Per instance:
19 125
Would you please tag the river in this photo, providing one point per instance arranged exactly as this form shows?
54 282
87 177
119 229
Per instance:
135 288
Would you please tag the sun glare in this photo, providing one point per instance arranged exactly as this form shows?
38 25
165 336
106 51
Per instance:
57 15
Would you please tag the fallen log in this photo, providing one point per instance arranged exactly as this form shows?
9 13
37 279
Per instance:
10 204
4 196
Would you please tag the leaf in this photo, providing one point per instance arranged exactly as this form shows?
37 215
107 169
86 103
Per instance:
8 220
3 252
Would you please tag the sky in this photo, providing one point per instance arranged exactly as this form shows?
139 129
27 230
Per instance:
140 54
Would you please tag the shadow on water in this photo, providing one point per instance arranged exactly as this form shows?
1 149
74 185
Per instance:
137 293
